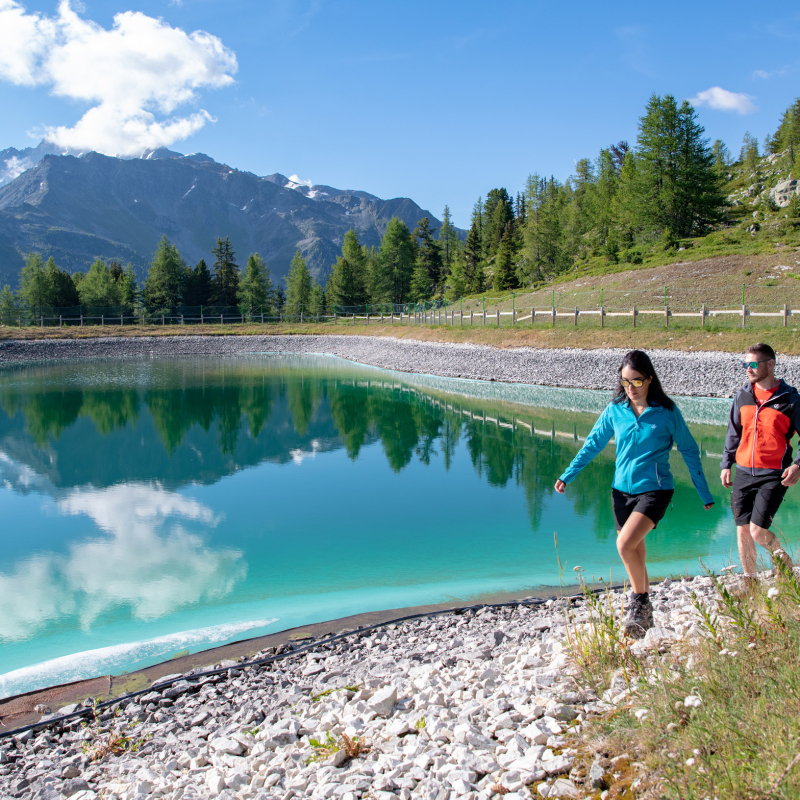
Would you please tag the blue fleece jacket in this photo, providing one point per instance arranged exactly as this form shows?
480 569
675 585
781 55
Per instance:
643 446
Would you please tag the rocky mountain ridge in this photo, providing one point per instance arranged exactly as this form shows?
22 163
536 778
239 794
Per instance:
80 208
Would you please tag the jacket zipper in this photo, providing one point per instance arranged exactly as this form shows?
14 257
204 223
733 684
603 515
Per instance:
755 430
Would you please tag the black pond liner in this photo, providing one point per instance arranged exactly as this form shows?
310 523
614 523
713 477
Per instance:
92 710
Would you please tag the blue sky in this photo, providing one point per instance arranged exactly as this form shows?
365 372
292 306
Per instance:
437 101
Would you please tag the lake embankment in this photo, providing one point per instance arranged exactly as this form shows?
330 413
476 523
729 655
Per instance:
474 704
701 373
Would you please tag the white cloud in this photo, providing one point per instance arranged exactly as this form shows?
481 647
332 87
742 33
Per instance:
13 168
143 564
722 100
300 181
135 74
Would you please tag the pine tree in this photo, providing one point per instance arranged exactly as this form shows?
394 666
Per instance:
225 283
347 283
504 277
197 290
357 257
448 241
298 286
625 209
61 291
129 288
316 300
256 286
457 280
497 213
429 254
394 265
677 187
603 205
420 290
473 254
164 283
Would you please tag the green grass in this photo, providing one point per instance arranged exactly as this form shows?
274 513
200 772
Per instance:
741 737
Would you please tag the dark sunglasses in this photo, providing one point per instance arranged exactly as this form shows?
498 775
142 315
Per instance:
636 382
754 364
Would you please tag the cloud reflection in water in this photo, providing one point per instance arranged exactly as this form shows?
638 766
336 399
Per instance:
147 562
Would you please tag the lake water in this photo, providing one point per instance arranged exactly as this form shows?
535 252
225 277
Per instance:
153 507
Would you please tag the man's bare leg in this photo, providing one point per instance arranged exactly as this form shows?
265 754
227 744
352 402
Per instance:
747 549
769 541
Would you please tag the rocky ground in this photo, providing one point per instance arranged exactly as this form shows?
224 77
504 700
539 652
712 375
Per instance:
456 705
705 374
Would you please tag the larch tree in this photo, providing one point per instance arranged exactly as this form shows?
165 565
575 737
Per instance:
256 286
33 289
298 286
99 289
164 284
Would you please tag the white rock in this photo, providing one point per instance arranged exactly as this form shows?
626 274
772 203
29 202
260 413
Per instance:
214 781
557 765
229 746
563 787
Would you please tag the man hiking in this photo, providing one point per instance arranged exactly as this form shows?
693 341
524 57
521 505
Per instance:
764 417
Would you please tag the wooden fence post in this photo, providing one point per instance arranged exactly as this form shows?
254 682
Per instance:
703 316
784 315
744 315
576 316
666 316
554 316
633 315
498 317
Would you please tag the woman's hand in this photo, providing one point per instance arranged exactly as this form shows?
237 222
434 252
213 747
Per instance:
560 486
707 506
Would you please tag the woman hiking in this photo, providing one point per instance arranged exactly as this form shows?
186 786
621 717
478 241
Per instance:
644 423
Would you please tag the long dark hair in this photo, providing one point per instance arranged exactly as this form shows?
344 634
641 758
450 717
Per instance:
639 360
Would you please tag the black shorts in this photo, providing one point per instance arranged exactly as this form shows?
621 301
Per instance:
652 504
756 498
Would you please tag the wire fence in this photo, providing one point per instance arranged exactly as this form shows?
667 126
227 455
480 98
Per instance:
729 304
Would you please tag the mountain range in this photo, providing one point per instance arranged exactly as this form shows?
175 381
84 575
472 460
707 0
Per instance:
78 208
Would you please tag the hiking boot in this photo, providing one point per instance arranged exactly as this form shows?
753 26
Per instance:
746 587
639 619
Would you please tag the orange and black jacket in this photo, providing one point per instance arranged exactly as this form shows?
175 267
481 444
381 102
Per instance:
758 436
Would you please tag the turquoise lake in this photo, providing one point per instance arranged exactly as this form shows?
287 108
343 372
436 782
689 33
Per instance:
156 506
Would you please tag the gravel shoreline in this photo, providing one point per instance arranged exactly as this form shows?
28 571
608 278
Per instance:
703 374
464 705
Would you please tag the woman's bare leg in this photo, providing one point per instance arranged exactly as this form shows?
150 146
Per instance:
631 548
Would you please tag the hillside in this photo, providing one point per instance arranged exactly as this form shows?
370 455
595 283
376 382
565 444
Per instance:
78 209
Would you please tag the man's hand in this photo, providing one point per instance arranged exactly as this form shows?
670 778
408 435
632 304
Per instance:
725 477
560 486
791 475
707 506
